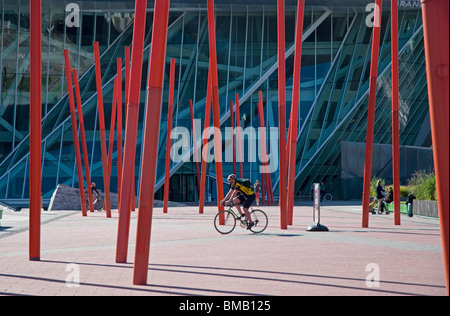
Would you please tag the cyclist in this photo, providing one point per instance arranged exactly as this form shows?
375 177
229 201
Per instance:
241 192
93 189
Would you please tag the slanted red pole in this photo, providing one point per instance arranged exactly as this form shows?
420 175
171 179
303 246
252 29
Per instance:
435 15
265 164
205 145
112 129
282 112
238 130
131 130
76 142
83 140
101 118
216 109
233 139
151 137
371 113
168 139
294 111
395 123
119 126
35 129
132 200
194 138
263 189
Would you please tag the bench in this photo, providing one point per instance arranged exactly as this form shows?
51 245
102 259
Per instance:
403 207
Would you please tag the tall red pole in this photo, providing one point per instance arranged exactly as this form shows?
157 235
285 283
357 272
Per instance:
76 142
101 118
238 130
168 140
435 15
233 139
35 129
282 112
194 138
216 109
132 117
371 112
265 165
205 145
292 150
112 130
83 139
151 137
119 126
395 123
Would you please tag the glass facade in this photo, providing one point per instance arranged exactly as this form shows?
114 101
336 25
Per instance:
333 91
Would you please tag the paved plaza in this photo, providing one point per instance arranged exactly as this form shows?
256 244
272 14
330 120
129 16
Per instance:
189 257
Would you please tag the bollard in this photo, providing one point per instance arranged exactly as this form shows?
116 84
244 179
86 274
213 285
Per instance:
316 226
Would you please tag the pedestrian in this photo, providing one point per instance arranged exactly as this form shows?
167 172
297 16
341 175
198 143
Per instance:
257 191
380 197
409 204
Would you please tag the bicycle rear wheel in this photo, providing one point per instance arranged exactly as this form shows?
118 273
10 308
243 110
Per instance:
228 226
99 205
261 221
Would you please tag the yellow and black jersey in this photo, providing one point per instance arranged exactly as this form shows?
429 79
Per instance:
244 186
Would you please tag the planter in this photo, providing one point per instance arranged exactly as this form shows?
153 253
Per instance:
425 208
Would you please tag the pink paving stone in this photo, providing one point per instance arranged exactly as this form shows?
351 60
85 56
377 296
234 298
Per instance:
188 257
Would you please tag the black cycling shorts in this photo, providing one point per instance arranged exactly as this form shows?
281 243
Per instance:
246 200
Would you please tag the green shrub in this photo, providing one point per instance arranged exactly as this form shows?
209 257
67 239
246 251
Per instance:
423 185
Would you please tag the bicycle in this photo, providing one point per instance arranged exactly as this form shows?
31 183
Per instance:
260 220
374 206
98 202
327 197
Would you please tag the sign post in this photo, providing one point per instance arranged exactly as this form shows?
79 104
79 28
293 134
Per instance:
316 226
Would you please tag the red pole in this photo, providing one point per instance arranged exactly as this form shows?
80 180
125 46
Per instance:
127 76
83 139
395 123
205 145
101 118
168 140
131 130
35 130
371 113
263 189
216 109
76 142
132 200
194 138
294 111
112 129
435 15
265 163
119 126
151 136
238 129
282 112
233 139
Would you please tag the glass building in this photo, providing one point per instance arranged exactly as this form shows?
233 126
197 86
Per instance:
334 85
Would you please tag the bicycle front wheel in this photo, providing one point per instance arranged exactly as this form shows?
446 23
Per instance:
229 224
261 221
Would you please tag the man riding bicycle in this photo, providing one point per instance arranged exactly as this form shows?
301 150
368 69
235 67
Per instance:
241 192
